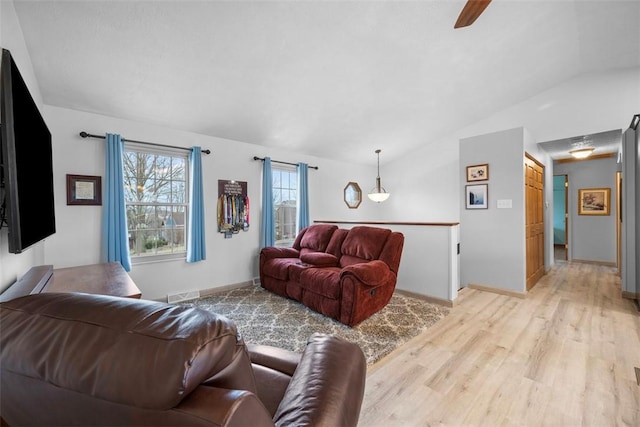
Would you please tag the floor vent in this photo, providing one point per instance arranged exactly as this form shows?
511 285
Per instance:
256 281
182 296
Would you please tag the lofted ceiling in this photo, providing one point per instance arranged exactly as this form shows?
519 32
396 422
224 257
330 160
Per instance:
335 79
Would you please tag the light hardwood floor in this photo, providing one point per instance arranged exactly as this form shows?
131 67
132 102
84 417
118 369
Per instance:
563 356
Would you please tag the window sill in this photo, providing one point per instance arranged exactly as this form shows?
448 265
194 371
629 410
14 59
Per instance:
155 259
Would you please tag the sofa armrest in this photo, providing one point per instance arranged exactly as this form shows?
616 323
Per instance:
222 407
271 252
272 368
372 273
275 358
327 387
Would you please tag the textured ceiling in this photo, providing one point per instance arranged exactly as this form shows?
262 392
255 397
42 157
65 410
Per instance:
602 143
336 79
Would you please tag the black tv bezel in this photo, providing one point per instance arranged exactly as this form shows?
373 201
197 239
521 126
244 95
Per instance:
8 157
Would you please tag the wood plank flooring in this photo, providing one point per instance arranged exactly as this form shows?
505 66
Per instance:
564 356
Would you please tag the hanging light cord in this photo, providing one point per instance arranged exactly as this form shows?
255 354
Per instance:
378 186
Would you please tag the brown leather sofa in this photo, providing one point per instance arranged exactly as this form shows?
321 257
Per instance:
89 360
345 274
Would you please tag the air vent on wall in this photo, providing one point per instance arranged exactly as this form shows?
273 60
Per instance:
183 296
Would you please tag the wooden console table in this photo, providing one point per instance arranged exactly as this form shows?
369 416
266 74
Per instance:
105 279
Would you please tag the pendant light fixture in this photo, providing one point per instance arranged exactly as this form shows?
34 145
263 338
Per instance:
378 193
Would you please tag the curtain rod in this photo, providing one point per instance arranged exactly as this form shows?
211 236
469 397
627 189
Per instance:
89 135
284 163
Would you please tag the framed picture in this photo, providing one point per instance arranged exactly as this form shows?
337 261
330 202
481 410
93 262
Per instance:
352 195
594 201
478 173
84 190
476 196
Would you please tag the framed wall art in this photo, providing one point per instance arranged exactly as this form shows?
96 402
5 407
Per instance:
84 190
352 195
478 173
233 207
594 201
477 196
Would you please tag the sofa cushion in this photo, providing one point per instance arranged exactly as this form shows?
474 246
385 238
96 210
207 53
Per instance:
335 244
317 237
319 259
364 243
322 281
278 268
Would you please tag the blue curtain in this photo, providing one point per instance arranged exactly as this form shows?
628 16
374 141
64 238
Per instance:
303 196
114 227
267 232
196 250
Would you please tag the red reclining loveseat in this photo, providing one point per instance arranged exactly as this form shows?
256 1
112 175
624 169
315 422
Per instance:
345 274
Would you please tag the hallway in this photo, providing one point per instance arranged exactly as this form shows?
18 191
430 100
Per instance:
563 356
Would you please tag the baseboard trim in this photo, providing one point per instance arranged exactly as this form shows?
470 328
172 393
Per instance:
603 263
500 291
428 298
630 295
213 291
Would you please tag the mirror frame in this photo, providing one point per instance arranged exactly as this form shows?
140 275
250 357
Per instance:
352 195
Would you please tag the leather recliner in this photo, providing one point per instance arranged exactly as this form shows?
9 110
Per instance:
80 359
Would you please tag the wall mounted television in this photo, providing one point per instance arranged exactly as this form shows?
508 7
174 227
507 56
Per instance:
26 176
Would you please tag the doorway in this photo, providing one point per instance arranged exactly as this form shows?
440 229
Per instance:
560 218
619 222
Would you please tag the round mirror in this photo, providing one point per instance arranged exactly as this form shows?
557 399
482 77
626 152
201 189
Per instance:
352 195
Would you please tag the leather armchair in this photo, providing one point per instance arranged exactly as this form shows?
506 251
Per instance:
80 359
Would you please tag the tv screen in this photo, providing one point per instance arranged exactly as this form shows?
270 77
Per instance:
26 187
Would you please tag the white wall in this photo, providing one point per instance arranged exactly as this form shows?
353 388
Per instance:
13 266
425 185
492 240
591 238
229 261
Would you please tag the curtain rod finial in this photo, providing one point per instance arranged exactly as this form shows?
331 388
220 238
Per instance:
84 134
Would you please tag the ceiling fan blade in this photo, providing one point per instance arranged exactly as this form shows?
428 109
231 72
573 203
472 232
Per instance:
470 12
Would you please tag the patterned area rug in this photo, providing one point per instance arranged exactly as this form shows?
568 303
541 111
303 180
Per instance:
266 318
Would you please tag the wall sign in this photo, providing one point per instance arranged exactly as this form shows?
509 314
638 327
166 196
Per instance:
233 207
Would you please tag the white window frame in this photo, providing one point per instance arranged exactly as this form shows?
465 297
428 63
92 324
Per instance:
175 153
288 242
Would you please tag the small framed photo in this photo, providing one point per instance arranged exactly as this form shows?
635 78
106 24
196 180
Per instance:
84 190
478 173
476 196
594 201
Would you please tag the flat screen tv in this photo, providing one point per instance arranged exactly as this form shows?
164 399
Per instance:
26 178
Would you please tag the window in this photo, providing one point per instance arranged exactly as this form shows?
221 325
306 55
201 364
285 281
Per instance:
285 197
156 198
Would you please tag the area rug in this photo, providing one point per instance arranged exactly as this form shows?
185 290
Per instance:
266 318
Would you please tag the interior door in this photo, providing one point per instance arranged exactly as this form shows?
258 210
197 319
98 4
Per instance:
534 219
